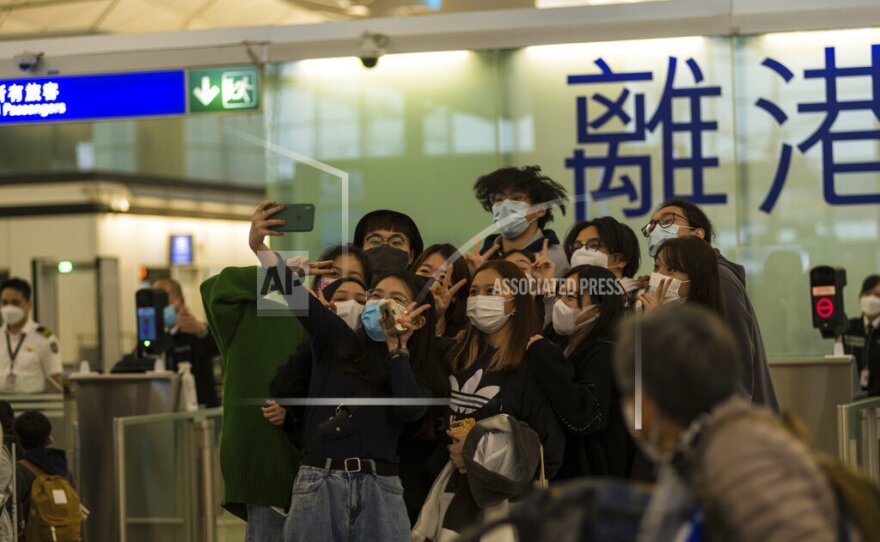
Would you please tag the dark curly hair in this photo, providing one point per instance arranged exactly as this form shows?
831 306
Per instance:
528 180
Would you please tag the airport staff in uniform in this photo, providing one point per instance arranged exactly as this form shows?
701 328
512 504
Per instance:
862 340
192 342
29 356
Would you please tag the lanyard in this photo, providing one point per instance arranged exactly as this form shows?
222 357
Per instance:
13 355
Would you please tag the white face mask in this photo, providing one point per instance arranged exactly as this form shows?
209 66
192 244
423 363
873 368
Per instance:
671 291
486 312
870 305
587 256
565 318
11 314
350 311
646 446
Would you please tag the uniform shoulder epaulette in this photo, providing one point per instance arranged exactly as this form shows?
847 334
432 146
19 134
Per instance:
44 331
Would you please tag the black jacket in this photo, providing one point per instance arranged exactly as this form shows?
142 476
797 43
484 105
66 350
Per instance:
584 397
864 345
478 393
200 352
756 384
417 445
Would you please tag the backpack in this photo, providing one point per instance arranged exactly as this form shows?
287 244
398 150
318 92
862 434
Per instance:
54 513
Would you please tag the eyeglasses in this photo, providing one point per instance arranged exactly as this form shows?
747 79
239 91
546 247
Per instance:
394 241
515 196
378 295
664 221
590 244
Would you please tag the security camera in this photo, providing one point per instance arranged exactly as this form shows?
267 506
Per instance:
27 61
372 47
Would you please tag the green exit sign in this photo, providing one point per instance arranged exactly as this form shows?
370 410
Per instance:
223 89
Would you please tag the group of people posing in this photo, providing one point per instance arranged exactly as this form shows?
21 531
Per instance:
479 389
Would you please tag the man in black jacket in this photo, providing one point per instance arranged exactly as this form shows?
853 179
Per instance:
862 340
192 343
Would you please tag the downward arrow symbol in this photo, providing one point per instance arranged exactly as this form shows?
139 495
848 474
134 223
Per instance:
206 93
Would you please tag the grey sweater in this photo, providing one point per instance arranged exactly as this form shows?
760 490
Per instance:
740 315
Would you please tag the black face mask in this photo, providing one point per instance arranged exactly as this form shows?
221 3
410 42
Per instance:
385 260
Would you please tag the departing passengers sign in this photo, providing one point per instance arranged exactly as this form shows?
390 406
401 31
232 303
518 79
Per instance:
48 99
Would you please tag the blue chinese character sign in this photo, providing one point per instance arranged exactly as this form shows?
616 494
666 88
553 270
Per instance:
603 148
92 97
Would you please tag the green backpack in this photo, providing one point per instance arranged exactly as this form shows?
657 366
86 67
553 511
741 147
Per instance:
54 514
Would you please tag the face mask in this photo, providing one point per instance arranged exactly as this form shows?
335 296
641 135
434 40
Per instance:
169 314
370 318
646 446
510 217
385 260
350 311
565 318
870 305
12 314
671 290
486 312
660 234
586 256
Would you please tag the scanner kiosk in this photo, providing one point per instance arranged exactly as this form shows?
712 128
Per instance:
138 385
813 387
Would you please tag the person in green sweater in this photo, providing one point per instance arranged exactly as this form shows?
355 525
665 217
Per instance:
257 460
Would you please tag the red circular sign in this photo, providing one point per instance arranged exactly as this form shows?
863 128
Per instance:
825 308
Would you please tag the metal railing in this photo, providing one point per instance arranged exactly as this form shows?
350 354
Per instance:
858 429
168 478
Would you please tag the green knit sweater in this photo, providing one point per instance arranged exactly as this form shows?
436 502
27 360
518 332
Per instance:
256 458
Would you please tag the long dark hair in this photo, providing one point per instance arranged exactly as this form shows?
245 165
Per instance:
524 324
607 294
456 313
697 259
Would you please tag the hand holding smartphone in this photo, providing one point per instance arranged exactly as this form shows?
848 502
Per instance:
298 217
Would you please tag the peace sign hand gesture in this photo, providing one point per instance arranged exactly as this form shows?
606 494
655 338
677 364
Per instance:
444 292
409 321
475 259
544 267
651 301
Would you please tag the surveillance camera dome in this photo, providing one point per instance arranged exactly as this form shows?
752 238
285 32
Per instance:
27 61
372 47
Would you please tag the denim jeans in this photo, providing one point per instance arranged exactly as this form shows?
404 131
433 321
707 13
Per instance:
264 524
346 507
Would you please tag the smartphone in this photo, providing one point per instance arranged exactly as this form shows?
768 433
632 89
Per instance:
297 217
463 426
390 311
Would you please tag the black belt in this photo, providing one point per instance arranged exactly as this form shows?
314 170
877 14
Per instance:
354 465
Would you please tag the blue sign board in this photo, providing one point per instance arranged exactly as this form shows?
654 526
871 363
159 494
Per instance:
181 249
92 97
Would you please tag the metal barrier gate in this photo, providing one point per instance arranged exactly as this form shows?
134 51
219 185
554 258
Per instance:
168 479
858 429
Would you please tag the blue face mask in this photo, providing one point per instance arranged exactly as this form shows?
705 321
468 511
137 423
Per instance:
660 234
370 319
510 217
169 314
